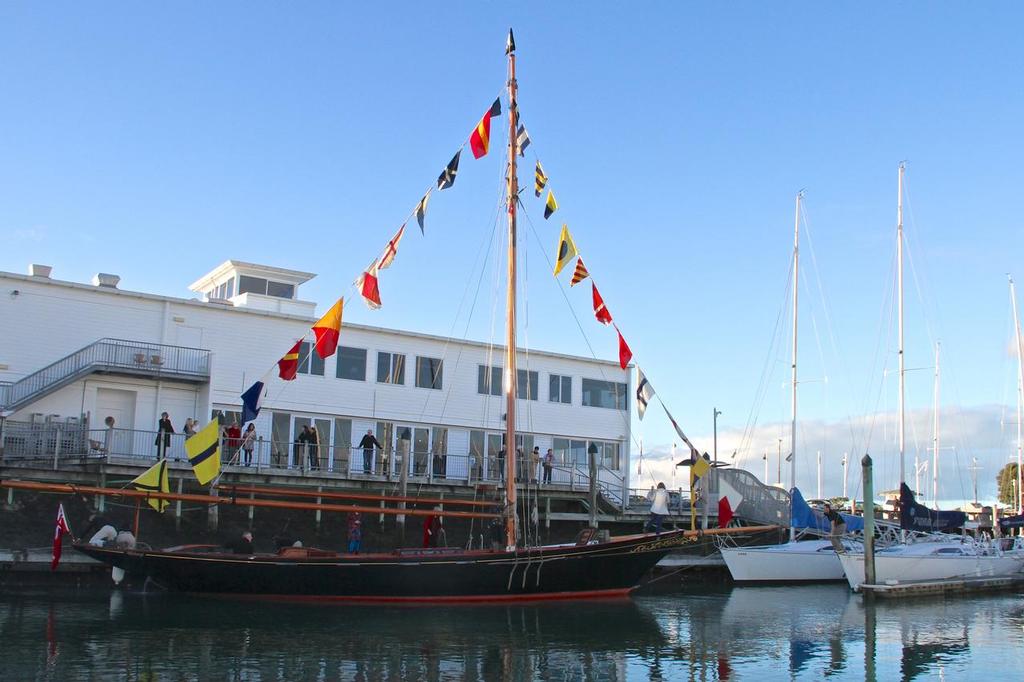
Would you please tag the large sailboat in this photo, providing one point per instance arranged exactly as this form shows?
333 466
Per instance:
589 567
798 560
925 554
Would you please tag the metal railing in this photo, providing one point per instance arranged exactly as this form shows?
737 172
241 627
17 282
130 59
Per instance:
60 441
136 357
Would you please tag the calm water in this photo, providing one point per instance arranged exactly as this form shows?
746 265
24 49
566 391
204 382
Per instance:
805 633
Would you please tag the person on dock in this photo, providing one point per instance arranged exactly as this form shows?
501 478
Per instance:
368 443
249 443
355 532
242 545
549 464
659 508
838 528
164 429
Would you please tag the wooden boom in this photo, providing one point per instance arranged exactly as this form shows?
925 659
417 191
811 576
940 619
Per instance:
69 489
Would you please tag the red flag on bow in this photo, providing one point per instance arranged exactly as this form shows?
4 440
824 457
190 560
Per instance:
368 288
625 354
58 537
600 311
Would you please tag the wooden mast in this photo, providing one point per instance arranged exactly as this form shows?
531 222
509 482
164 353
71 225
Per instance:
511 375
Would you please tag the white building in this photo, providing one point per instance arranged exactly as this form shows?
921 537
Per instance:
78 353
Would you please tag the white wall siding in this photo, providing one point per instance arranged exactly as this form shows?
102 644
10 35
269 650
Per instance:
48 320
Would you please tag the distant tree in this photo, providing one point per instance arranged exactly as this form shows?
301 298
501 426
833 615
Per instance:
1006 481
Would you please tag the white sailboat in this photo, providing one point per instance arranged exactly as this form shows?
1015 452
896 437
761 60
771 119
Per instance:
793 561
927 556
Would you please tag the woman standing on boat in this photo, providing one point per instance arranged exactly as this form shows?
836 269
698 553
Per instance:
659 508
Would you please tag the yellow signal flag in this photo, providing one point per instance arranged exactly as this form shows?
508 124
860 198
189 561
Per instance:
204 452
566 250
154 480
699 468
550 206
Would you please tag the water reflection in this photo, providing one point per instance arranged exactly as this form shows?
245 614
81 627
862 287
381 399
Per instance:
706 633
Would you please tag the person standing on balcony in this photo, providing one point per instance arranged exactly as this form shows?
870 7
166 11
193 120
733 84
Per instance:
190 428
248 443
549 463
164 429
314 448
369 442
534 463
232 439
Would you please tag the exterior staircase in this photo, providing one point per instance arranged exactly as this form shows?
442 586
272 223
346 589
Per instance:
108 356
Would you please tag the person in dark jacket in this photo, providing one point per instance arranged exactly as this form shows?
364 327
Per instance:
313 447
164 429
368 443
838 528
301 443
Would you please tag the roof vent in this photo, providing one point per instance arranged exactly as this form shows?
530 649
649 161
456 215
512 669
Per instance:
36 270
102 279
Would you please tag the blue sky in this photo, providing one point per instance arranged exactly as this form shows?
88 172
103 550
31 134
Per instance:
157 141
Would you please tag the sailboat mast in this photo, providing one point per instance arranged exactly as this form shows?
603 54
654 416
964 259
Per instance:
935 432
1020 395
796 288
899 286
511 375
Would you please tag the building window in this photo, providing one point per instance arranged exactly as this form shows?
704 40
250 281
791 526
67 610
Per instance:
428 372
280 290
608 394
607 455
251 285
527 385
390 368
569 452
258 285
560 389
351 363
309 361
488 380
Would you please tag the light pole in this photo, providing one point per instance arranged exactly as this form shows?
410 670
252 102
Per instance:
844 477
974 476
715 420
780 462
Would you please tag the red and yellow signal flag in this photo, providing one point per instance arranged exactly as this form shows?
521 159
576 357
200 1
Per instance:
328 329
480 140
580 274
288 366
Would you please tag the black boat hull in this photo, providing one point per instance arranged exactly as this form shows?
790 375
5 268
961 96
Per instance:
566 571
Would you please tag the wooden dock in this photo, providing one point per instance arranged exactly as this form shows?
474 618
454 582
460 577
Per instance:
954 586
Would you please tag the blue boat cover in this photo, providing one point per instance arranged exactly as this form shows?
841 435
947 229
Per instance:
916 516
805 517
